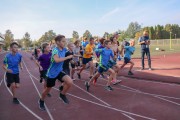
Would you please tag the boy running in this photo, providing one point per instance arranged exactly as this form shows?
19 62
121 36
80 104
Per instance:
105 65
12 61
55 71
129 50
87 58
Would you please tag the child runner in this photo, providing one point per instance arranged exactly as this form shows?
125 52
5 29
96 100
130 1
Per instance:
55 71
43 63
12 61
105 56
77 54
87 58
129 50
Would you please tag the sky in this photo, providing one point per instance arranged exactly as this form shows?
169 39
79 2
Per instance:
98 16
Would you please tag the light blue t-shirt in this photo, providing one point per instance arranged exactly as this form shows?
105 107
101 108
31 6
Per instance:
12 62
129 50
105 55
56 68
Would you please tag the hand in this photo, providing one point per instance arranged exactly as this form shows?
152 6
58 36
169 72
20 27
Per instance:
40 68
9 71
70 56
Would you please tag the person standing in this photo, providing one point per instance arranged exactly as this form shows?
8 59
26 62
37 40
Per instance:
144 41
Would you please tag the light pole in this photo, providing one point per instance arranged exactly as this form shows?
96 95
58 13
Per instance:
170 41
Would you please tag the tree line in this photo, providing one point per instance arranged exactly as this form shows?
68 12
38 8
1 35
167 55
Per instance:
134 30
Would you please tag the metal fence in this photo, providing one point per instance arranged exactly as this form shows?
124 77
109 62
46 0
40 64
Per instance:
165 42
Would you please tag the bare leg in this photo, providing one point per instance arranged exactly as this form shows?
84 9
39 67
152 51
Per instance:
67 84
45 92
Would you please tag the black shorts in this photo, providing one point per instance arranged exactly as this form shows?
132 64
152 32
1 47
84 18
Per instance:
126 60
75 65
43 74
51 81
12 78
86 60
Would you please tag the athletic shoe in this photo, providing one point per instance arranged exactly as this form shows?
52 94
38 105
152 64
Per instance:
79 76
41 105
150 68
63 98
142 68
109 88
90 77
15 101
8 85
87 86
60 88
41 79
130 73
115 82
49 95
94 81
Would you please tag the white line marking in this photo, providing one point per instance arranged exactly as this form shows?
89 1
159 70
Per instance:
34 114
92 95
103 105
168 100
51 117
1 82
128 116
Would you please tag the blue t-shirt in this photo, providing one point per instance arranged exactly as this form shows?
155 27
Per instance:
144 46
12 62
56 68
105 55
129 51
85 43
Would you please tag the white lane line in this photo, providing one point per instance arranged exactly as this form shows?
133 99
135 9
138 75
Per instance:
128 116
1 82
139 91
92 95
51 117
109 107
154 95
24 106
125 112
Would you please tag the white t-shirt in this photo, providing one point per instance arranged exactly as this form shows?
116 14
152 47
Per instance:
76 52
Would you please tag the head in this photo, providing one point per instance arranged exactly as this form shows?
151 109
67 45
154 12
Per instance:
145 33
132 42
107 44
91 41
77 43
14 47
45 48
85 39
60 41
101 41
70 46
113 40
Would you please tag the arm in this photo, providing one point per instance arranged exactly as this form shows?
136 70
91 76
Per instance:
6 69
57 59
140 41
20 64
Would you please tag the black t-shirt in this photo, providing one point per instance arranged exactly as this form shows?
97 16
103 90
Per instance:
66 62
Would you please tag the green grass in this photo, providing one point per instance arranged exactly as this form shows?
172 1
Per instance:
154 52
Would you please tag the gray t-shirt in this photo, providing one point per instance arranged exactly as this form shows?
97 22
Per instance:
76 52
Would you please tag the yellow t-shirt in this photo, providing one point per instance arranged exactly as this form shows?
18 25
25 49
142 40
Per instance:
88 48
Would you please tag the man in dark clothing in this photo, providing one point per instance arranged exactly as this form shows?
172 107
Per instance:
144 41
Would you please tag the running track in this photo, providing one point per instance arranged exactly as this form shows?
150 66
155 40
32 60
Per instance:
133 99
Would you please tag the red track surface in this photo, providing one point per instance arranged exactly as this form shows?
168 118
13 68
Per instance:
146 95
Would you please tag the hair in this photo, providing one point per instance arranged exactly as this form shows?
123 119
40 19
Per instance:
59 38
106 42
76 42
44 45
146 31
102 40
111 39
13 43
85 38
91 38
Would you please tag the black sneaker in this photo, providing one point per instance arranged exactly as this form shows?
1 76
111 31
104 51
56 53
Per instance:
8 85
41 105
64 99
130 73
87 86
60 88
109 88
90 77
49 95
79 76
41 79
15 101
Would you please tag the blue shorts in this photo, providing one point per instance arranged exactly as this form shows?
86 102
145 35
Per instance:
102 68
86 60
126 60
